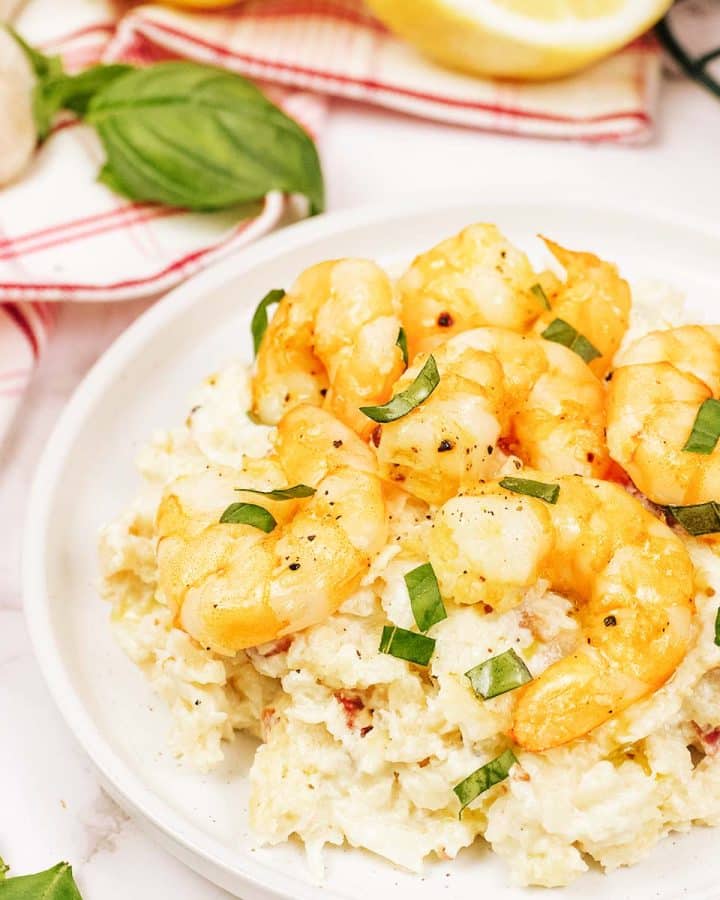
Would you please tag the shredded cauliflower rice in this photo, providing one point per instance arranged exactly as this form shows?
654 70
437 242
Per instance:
367 747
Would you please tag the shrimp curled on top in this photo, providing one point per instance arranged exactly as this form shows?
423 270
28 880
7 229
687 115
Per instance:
234 586
630 577
537 398
332 342
654 397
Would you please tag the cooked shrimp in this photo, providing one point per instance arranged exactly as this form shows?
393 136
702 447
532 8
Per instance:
629 575
594 299
233 585
475 278
537 398
654 397
332 343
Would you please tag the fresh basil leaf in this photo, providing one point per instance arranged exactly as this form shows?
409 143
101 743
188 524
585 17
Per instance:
427 379
539 293
401 342
52 884
407 645
296 492
717 629
538 489
249 514
561 332
259 323
198 137
706 429
425 600
699 518
484 778
73 92
43 66
498 675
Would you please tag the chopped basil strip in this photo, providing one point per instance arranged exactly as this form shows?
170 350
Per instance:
416 648
547 492
561 332
260 317
485 777
701 518
401 342
537 290
498 675
248 514
706 430
289 493
401 404
425 599
717 628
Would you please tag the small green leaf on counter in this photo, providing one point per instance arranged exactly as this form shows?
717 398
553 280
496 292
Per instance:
484 778
407 645
43 66
425 600
259 323
401 404
248 514
56 883
498 675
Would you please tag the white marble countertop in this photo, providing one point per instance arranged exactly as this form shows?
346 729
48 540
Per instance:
52 806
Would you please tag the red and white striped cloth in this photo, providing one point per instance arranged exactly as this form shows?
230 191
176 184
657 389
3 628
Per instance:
65 237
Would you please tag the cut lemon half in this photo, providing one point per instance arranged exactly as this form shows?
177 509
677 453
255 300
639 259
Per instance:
530 39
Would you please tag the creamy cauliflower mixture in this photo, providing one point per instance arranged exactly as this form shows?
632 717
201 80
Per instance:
368 747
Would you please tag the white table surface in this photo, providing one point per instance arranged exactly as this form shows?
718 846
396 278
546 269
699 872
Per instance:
51 806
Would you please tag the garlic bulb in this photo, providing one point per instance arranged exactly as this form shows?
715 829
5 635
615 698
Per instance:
18 136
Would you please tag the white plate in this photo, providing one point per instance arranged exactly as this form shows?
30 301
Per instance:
87 476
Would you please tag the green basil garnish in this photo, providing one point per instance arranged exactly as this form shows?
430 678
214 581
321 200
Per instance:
401 342
706 429
43 66
248 514
202 138
408 645
700 518
563 333
537 290
717 629
296 492
547 492
485 777
56 883
425 599
498 675
401 404
259 323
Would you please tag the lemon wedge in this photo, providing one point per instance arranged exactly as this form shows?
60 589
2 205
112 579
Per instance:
530 39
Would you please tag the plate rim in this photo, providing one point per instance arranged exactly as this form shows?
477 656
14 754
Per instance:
180 837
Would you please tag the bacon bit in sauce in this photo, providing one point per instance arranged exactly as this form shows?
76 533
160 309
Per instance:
366 730
445 320
710 740
424 762
279 646
376 434
487 608
351 705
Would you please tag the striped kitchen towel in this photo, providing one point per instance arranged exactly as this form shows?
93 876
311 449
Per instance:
65 237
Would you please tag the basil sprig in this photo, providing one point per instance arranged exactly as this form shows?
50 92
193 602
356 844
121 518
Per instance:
407 645
198 137
401 404
706 429
259 323
56 883
73 92
498 675
248 514
717 629
538 489
401 342
561 332
425 600
296 492
484 778
699 518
